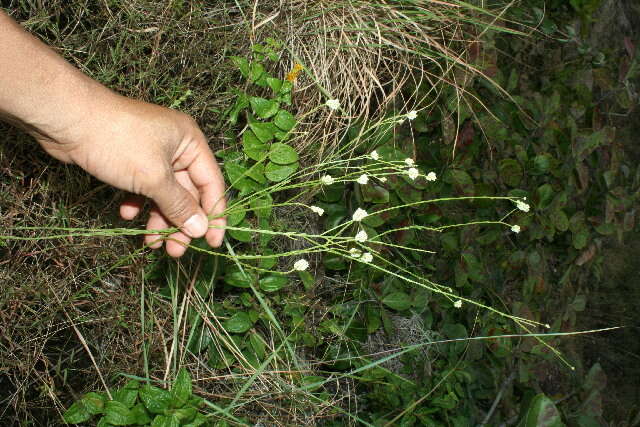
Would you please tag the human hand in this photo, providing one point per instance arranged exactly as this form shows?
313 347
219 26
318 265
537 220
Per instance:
154 152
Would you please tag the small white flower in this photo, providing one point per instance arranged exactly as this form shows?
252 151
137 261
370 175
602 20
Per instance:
374 155
301 265
431 176
361 236
409 161
515 228
458 304
355 252
333 104
413 173
363 179
401 121
383 179
359 214
522 206
366 257
411 115
317 210
327 180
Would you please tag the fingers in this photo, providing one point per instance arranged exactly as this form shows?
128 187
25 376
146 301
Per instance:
131 207
179 207
207 177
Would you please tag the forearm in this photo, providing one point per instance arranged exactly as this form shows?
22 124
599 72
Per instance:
39 89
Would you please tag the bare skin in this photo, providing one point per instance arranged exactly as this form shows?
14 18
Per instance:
132 145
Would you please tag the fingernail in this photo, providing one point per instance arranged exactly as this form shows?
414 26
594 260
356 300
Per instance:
196 226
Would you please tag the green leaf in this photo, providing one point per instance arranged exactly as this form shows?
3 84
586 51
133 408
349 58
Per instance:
307 279
256 172
560 220
238 323
253 147
257 74
118 414
235 218
263 131
263 108
128 394
510 172
181 390
282 154
185 414
242 64
155 399
239 279
199 420
545 194
140 415
606 229
542 412
242 235
274 84
94 402
374 194
77 413
273 282
398 301
257 344
277 173
285 120
262 206
241 103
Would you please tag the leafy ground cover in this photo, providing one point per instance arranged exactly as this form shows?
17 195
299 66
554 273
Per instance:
431 268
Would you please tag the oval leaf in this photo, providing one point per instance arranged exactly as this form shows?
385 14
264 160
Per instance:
282 154
238 323
273 282
277 173
285 120
263 108
397 301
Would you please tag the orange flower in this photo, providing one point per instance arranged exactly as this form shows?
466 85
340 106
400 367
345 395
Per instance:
293 74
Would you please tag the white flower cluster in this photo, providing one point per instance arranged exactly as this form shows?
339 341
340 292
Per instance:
301 265
362 179
364 257
317 210
359 215
361 236
333 104
327 180
522 206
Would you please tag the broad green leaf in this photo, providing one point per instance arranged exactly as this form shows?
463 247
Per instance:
257 344
239 279
128 394
262 206
185 415
285 120
510 172
77 413
545 194
256 172
263 108
274 84
398 301
580 239
606 229
241 103
273 282
118 414
94 402
155 399
277 173
267 262
560 220
542 412
242 64
236 217
181 390
374 193
282 154
238 323
253 147
242 235
257 74
334 262
197 421
307 279
263 131
140 415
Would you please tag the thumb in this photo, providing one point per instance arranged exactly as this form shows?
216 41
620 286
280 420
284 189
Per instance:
180 207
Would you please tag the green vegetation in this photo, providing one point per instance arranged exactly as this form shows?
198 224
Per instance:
426 263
